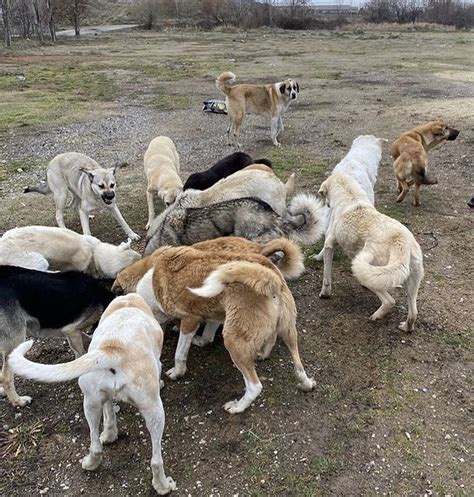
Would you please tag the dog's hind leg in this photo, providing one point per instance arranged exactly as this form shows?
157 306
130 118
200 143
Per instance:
290 337
417 202
387 303
245 363
405 187
110 432
182 350
154 417
267 349
412 285
9 385
93 413
229 130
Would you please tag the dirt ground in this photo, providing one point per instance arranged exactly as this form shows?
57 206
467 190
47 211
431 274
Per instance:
391 411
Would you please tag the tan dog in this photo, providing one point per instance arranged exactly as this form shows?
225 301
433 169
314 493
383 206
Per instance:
249 296
161 163
285 254
409 153
271 99
123 363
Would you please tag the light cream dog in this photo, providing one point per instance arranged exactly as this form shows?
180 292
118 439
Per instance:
384 253
245 292
124 352
161 164
272 99
66 250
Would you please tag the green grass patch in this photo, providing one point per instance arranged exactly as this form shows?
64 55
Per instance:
172 102
458 341
181 69
290 160
324 466
14 167
50 93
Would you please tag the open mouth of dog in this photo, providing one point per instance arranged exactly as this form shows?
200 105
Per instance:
108 201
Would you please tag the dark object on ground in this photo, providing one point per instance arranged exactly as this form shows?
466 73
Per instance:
215 106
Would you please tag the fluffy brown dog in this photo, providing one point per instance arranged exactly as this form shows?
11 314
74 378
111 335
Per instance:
409 153
249 296
271 99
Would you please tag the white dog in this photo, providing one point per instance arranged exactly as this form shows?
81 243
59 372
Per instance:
384 253
361 163
161 164
92 188
65 250
123 363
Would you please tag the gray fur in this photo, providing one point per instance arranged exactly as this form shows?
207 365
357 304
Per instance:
249 218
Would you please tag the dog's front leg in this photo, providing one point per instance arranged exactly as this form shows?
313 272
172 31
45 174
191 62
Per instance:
208 334
151 208
84 216
119 218
274 130
181 355
155 422
327 273
281 127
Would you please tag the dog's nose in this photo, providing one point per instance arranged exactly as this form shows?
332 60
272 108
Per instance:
453 134
108 195
293 96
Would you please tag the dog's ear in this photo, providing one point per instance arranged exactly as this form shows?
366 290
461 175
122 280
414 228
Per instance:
323 190
438 130
119 165
282 88
89 173
297 87
126 245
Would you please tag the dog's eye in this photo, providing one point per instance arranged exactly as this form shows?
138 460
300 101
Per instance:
112 185
101 185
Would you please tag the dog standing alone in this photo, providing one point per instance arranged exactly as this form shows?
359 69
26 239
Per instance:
273 99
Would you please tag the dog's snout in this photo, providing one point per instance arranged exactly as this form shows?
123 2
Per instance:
293 95
108 197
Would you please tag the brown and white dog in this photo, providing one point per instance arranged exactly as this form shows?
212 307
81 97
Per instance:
123 363
245 292
409 153
161 164
272 99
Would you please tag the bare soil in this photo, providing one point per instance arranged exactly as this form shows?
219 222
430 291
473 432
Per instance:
391 413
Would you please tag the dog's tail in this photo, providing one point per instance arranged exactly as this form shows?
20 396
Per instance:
256 277
304 220
286 255
383 277
50 373
43 188
224 82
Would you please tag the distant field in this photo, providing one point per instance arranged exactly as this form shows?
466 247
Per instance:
390 413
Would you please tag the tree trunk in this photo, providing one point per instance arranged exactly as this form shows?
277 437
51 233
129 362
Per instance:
77 27
7 22
51 22
37 21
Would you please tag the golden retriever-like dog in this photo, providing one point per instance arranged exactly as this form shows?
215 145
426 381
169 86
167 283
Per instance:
246 292
409 153
273 99
161 163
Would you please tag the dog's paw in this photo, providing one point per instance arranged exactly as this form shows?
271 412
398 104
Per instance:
165 489
2 392
416 204
91 462
108 436
175 373
22 401
324 294
316 257
133 236
200 341
162 384
307 386
234 407
277 144
147 226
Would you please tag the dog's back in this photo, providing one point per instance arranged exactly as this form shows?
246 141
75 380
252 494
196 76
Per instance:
54 299
161 146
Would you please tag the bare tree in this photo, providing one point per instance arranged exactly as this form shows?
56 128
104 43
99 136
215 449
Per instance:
73 11
7 28
51 11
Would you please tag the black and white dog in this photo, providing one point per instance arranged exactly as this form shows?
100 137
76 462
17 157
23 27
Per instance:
42 304
221 169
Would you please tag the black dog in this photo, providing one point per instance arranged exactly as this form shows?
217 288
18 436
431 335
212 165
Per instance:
46 304
221 169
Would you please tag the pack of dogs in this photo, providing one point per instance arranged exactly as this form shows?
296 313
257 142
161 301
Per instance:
219 254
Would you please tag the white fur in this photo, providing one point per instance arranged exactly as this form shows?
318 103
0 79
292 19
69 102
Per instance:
12 256
145 290
113 373
313 209
211 287
65 250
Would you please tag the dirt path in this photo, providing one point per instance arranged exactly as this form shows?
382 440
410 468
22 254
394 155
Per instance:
391 411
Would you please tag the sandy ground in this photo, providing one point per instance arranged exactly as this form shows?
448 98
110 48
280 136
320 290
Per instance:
391 411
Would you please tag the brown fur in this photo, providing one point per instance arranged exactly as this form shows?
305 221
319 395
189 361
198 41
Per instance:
256 305
409 153
290 263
